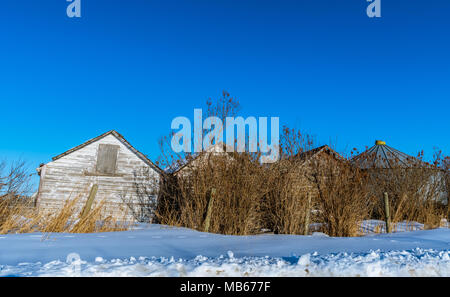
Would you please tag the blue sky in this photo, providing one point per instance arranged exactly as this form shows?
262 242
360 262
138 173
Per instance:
321 66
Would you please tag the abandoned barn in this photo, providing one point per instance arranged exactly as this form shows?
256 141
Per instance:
307 167
106 168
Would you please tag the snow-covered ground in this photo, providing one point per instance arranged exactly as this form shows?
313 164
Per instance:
155 250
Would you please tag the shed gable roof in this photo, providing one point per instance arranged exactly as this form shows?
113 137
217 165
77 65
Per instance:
219 148
319 150
119 137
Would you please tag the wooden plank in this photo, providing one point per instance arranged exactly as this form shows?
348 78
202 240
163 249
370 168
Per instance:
387 213
90 201
209 211
308 213
107 158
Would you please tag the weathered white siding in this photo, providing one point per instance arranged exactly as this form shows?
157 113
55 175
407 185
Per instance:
73 175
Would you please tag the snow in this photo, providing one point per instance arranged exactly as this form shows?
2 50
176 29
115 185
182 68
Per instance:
156 250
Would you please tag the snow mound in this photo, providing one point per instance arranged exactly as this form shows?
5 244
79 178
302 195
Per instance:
417 262
157 250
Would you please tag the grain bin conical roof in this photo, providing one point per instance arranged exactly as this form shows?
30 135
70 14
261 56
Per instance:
382 156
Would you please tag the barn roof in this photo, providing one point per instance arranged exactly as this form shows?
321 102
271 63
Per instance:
178 165
322 149
382 156
121 139
303 158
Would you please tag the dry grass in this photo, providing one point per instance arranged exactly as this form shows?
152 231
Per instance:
17 216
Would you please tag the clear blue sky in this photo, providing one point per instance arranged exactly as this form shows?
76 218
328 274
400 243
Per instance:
134 65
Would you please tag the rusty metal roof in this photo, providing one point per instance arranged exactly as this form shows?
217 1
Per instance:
382 156
318 150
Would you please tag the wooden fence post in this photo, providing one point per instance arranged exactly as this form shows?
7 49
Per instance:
307 216
209 211
448 210
90 200
387 213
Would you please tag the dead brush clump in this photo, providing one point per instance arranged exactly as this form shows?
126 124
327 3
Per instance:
342 200
287 205
446 168
286 208
232 185
244 196
415 194
315 189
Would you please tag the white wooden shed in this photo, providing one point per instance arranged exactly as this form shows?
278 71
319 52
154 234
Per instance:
107 161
